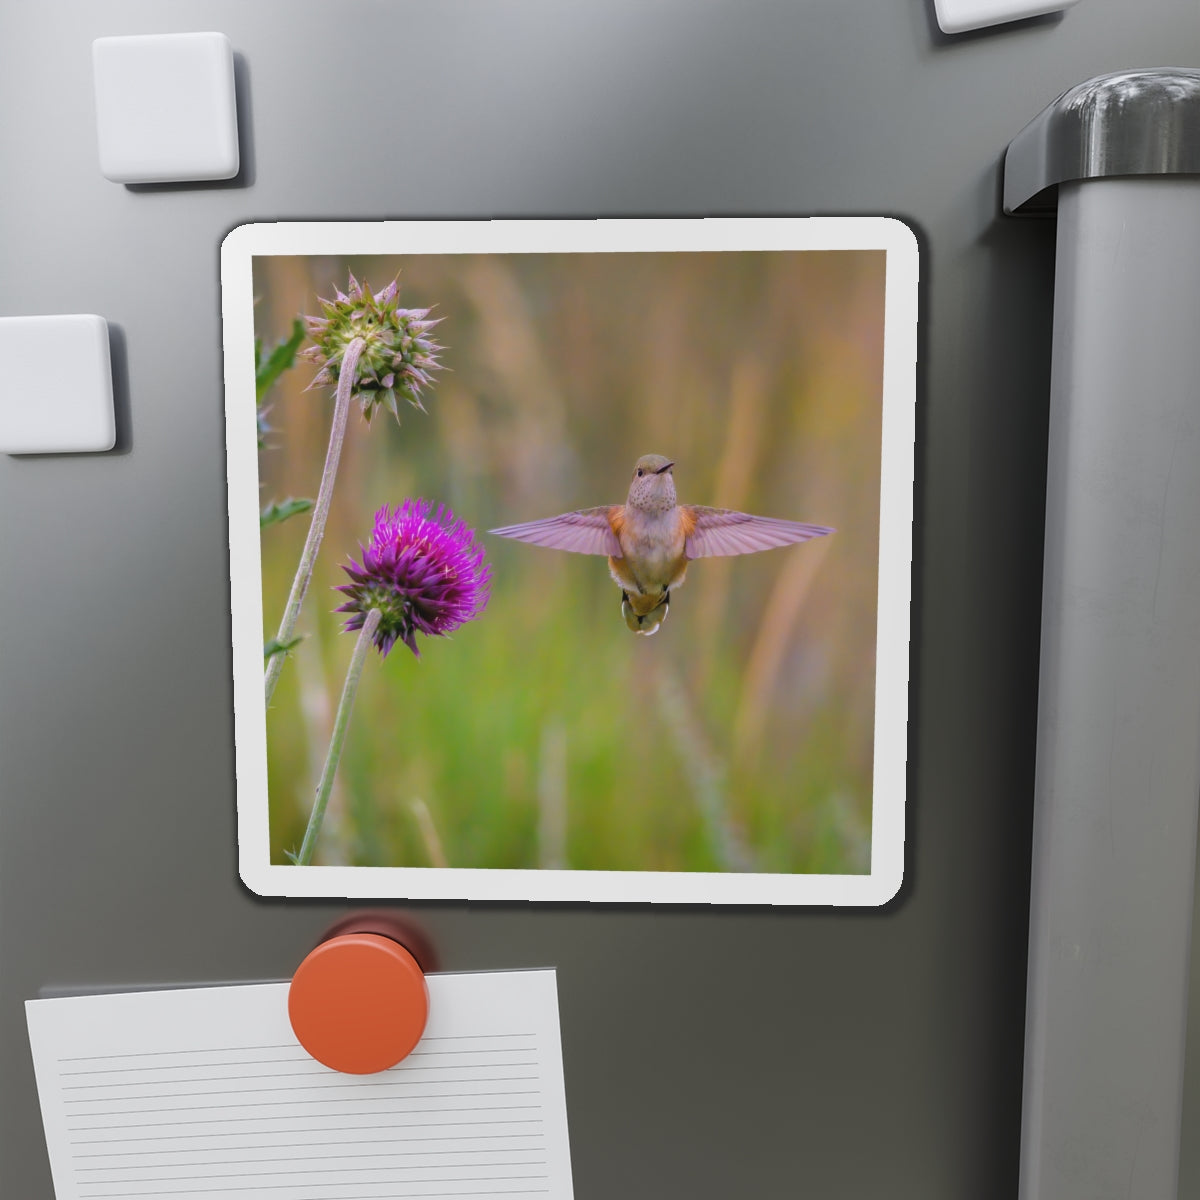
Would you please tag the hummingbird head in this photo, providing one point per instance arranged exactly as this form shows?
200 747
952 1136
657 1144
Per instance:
653 485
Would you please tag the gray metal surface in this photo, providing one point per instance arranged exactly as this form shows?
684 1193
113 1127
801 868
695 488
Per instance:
1124 123
707 1054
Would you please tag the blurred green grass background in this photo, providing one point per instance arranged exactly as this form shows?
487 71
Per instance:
545 734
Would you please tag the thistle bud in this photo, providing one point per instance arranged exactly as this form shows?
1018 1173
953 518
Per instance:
398 355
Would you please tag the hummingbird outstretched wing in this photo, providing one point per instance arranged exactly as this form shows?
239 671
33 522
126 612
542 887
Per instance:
588 531
715 532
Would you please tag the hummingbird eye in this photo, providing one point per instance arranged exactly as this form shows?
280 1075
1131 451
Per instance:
640 472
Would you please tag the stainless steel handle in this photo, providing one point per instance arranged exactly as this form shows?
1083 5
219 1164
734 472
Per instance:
1117 793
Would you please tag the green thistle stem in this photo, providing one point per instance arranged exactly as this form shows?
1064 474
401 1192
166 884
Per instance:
316 531
340 724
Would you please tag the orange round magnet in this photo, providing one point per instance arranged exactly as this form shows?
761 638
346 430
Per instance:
358 1003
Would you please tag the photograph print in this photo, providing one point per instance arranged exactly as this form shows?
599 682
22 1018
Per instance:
570 560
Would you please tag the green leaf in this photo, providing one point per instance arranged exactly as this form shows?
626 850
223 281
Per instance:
280 510
293 856
281 357
274 647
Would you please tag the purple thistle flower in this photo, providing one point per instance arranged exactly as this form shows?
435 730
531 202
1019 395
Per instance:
424 573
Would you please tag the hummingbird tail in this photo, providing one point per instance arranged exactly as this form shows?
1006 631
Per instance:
648 623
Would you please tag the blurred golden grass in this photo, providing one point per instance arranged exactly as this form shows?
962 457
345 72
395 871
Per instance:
545 734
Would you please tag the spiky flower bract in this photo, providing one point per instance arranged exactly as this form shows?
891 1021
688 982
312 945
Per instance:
264 427
398 354
422 569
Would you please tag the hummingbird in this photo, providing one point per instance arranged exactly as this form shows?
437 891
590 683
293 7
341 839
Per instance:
650 539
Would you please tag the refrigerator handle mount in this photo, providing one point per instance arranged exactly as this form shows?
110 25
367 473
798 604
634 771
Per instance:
1144 122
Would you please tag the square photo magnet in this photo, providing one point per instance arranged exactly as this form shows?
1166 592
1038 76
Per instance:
570 560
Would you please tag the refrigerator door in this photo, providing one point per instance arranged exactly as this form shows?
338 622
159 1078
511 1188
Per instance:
707 1052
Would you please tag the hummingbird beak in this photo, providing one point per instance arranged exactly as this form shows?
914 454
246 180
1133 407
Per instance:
666 468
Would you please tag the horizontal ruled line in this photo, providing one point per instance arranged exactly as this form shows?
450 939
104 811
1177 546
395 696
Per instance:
161 1053
475 1095
540 1148
276 1174
303 1087
298 1059
292 1158
377 1182
417 1125
441 1072
334 1196
460 1037
213 1108
419 1100
465 1037
135 1112
510 1050
179 1137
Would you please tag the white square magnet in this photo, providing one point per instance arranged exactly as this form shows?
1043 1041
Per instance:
959 16
56 393
166 110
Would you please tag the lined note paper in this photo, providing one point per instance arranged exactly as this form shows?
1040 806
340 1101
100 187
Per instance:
206 1092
